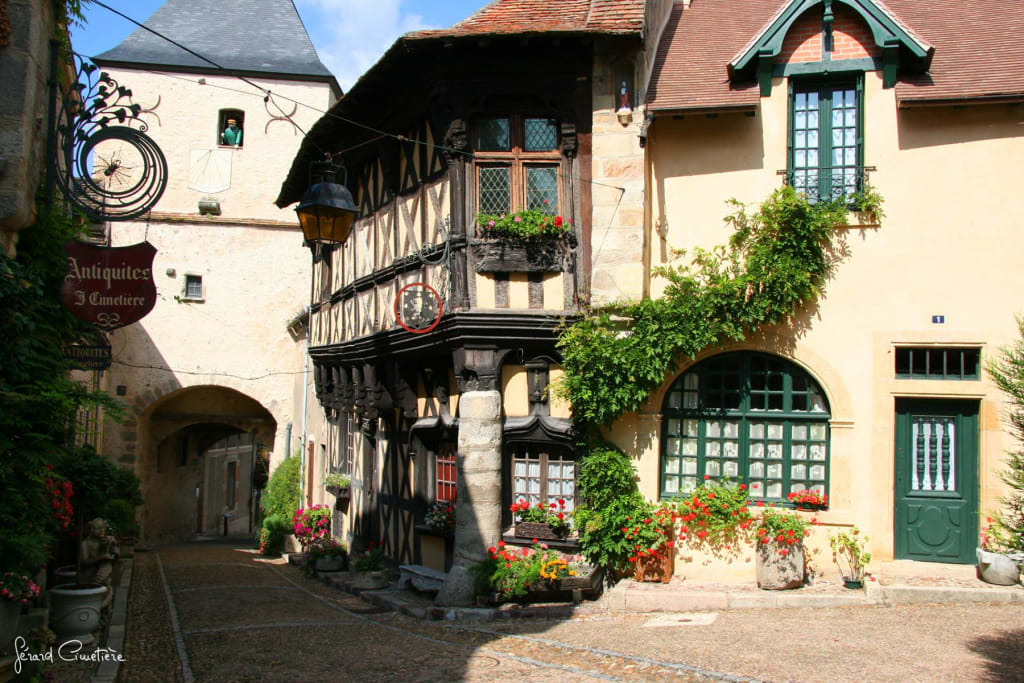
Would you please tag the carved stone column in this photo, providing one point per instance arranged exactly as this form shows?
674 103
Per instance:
478 507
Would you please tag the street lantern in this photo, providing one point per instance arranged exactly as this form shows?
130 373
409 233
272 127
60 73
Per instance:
326 211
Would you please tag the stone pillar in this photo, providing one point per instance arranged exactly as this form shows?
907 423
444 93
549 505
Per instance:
478 508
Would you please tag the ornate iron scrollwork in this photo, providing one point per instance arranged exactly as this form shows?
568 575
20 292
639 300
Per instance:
105 167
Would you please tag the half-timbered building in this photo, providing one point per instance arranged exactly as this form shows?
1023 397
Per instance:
525 105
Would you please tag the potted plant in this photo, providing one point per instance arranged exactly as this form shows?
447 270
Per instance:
311 523
370 567
850 555
998 563
326 555
716 517
16 589
339 485
272 535
524 241
532 574
652 537
808 499
779 550
440 517
549 523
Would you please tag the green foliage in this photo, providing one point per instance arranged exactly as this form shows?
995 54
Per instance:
371 560
510 572
338 479
523 225
554 515
1007 371
611 500
38 399
325 548
869 202
781 530
716 517
777 261
271 537
283 495
849 554
120 516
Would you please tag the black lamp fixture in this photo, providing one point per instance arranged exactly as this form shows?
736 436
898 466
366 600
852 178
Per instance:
326 211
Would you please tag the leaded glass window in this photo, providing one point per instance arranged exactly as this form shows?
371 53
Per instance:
518 164
751 417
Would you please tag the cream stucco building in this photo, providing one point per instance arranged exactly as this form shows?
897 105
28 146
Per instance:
215 377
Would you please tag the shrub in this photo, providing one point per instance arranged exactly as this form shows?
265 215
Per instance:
371 560
1007 372
610 501
284 493
275 528
716 516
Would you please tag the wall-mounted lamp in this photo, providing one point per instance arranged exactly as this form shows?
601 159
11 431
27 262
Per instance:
326 211
624 113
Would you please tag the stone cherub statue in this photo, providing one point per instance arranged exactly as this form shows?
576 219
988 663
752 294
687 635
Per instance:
99 550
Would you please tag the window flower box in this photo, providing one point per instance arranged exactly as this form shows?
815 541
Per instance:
539 530
496 255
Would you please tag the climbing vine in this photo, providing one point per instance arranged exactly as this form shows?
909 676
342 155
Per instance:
776 261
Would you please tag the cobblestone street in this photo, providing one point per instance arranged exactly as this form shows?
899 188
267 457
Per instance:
237 616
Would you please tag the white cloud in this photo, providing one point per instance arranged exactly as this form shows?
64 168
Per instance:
351 35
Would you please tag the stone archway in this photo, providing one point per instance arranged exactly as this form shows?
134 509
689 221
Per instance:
185 492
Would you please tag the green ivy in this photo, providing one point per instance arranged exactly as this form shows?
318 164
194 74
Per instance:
777 260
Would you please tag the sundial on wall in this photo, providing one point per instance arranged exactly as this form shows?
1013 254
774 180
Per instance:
209 170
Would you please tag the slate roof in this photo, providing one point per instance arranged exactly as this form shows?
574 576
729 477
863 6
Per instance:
546 16
978 53
256 36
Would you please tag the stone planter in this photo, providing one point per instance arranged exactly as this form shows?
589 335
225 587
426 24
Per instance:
657 568
10 617
330 564
370 581
75 611
538 530
997 569
780 572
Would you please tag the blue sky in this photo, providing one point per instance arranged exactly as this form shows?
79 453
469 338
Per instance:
349 35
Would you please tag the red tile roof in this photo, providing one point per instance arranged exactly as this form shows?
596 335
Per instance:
546 16
978 52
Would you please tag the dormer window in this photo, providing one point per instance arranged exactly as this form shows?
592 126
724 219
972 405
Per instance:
231 127
517 164
826 139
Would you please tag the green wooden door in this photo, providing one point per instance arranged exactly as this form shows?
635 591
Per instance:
936 480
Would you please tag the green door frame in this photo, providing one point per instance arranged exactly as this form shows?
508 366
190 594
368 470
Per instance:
931 524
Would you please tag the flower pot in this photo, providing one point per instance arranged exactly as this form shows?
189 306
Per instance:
657 568
369 581
997 569
75 610
492 255
64 574
10 617
330 564
778 571
340 492
538 530
853 584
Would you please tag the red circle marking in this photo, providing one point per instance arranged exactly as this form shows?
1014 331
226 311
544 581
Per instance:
440 308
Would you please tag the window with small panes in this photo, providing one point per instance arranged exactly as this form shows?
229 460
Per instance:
517 164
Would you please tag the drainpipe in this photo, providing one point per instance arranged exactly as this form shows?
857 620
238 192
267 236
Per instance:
648 237
305 399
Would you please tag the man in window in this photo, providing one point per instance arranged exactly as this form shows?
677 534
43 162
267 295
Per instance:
232 134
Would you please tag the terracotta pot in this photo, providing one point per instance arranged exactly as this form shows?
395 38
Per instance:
656 568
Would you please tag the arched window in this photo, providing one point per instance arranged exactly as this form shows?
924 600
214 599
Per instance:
751 417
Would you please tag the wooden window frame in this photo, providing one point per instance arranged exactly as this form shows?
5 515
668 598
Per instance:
920 362
513 449
824 88
744 415
445 489
518 159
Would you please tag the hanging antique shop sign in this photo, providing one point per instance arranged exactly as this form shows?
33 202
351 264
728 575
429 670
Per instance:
109 287
89 356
